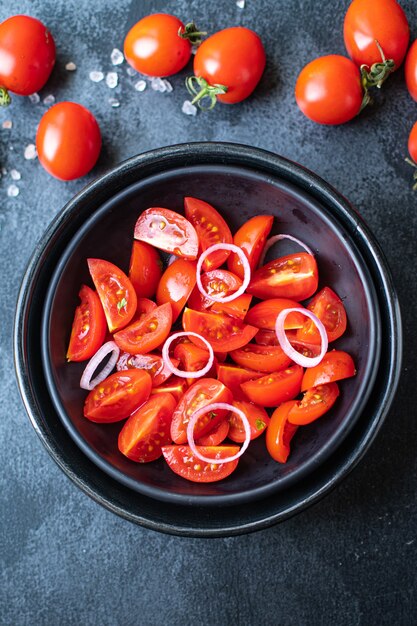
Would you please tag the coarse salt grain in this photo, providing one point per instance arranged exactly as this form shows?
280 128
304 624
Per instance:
116 56
188 108
157 84
12 191
30 152
49 99
70 67
240 4
34 98
130 71
95 76
112 80
7 124
15 175
168 86
140 85
114 103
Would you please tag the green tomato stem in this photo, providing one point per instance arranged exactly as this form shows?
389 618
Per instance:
201 89
191 32
5 98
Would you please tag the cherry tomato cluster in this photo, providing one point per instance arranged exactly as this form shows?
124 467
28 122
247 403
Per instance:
250 370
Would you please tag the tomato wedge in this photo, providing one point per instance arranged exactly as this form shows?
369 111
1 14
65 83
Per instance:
335 365
176 285
223 332
257 417
216 436
88 328
328 307
145 269
272 389
235 308
211 229
143 307
261 358
280 432
192 358
251 237
293 276
148 429
118 396
315 403
175 385
167 231
147 333
232 376
116 293
264 314
151 363
183 462
215 282
203 392
266 337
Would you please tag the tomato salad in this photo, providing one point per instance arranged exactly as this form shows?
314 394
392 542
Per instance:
212 351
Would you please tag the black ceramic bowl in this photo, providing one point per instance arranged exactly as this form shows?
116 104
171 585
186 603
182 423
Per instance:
241 182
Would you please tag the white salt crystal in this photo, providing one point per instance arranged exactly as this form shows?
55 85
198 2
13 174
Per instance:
140 85
112 79
130 71
49 99
70 67
188 108
96 77
240 4
3 171
12 191
34 98
30 152
7 124
168 86
15 175
157 84
114 103
117 57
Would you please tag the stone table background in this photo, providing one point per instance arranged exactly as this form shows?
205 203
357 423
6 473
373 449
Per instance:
350 559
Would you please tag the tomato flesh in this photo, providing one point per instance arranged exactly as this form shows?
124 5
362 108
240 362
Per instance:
315 403
145 269
251 238
232 376
216 436
151 363
294 276
272 389
147 333
280 432
264 314
216 283
223 332
176 386
183 462
211 229
88 328
328 307
261 358
167 231
335 365
238 307
176 285
257 417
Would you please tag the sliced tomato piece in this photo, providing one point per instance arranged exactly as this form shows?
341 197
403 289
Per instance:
193 359
216 436
294 276
202 393
257 417
315 403
168 231
232 376
261 358
307 349
147 333
280 432
223 332
328 307
266 337
272 389
88 328
335 365
235 308
115 291
215 282
175 385
183 462
118 396
251 237
211 229
143 307
148 429
145 269
151 363
176 285
264 315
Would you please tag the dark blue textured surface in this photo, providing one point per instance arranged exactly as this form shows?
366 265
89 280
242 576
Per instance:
348 560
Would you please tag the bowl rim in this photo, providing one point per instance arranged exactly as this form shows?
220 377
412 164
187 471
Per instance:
213 153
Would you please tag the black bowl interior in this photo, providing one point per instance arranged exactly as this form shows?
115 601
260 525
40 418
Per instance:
239 193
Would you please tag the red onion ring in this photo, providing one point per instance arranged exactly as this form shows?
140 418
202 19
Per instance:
286 346
181 373
94 362
213 407
246 269
270 242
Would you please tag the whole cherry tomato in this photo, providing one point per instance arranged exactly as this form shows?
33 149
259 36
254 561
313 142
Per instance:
68 141
27 56
329 90
411 70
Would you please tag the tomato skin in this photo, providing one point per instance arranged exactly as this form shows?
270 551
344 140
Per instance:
216 436
238 307
202 393
234 57
27 54
261 358
328 307
153 46
223 332
329 91
211 229
148 429
257 417
215 282
411 71
272 389
266 337
176 284
145 269
115 291
176 386
88 328
384 21
168 231
151 363
147 333
192 359
264 314
335 365
315 403
232 376
412 143
293 276
280 432
199 471
68 141
117 396
251 237
143 307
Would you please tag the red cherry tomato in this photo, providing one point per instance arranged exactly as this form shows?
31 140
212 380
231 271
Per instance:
216 436
118 396
328 307
264 315
315 403
211 229
148 429
147 333
329 90
293 276
251 237
257 417
261 358
223 332
412 143
272 389
366 22
238 307
143 307
183 462
176 284
175 385
232 376
234 58
27 54
266 337
115 291
215 282
88 328
145 269
154 47
167 231
192 358
334 366
68 141
280 432
411 70
151 363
